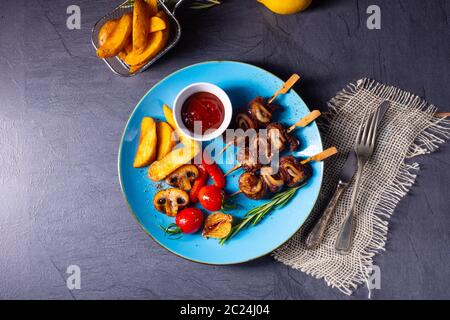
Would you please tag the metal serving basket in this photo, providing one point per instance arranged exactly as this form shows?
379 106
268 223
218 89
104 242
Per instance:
117 65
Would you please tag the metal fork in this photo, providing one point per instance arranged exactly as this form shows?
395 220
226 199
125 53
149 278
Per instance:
364 146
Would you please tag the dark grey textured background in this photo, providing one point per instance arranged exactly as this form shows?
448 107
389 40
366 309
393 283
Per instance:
62 113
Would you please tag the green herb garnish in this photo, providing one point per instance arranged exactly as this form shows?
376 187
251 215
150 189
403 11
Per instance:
254 216
172 230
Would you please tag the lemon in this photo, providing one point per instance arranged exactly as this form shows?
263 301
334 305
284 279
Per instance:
286 6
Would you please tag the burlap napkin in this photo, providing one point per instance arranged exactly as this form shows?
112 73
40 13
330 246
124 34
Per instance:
409 128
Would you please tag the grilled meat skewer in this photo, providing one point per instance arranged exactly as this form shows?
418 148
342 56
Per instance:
252 186
273 181
294 172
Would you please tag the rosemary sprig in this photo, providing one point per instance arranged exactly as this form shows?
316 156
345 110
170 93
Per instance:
254 216
172 230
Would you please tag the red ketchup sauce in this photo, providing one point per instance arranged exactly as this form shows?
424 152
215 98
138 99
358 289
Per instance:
205 108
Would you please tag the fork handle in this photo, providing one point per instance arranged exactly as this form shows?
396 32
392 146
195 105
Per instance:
344 239
318 232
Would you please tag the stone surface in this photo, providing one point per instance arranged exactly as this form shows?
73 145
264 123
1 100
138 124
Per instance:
62 113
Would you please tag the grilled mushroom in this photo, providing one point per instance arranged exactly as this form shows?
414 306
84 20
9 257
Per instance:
248 159
273 181
294 173
279 138
259 112
183 176
245 122
252 186
170 201
261 146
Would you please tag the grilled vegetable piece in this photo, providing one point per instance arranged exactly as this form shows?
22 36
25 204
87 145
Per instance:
183 177
170 201
214 172
211 197
198 184
252 186
189 220
118 38
217 225
294 173
259 111
273 181
146 151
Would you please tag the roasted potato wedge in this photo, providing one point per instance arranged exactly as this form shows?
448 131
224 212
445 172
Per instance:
168 114
128 48
160 169
106 30
166 139
157 24
156 42
152 6
146 151
118 38
141 25
217 225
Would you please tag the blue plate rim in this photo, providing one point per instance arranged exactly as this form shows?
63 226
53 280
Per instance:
128 203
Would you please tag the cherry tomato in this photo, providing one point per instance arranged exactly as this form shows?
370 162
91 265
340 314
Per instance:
211 197
189 220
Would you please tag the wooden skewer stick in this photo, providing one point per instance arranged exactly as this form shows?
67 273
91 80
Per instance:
318 157
321 156
286 87
443 114
234 194
303 122
229 144
233 169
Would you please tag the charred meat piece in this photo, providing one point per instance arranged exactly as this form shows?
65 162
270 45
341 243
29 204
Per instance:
259 111
252 186
273 181
248 160
294 173
280 138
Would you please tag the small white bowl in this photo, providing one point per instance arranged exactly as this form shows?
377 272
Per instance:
202 87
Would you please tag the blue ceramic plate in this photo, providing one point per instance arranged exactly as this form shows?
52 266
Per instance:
242 82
